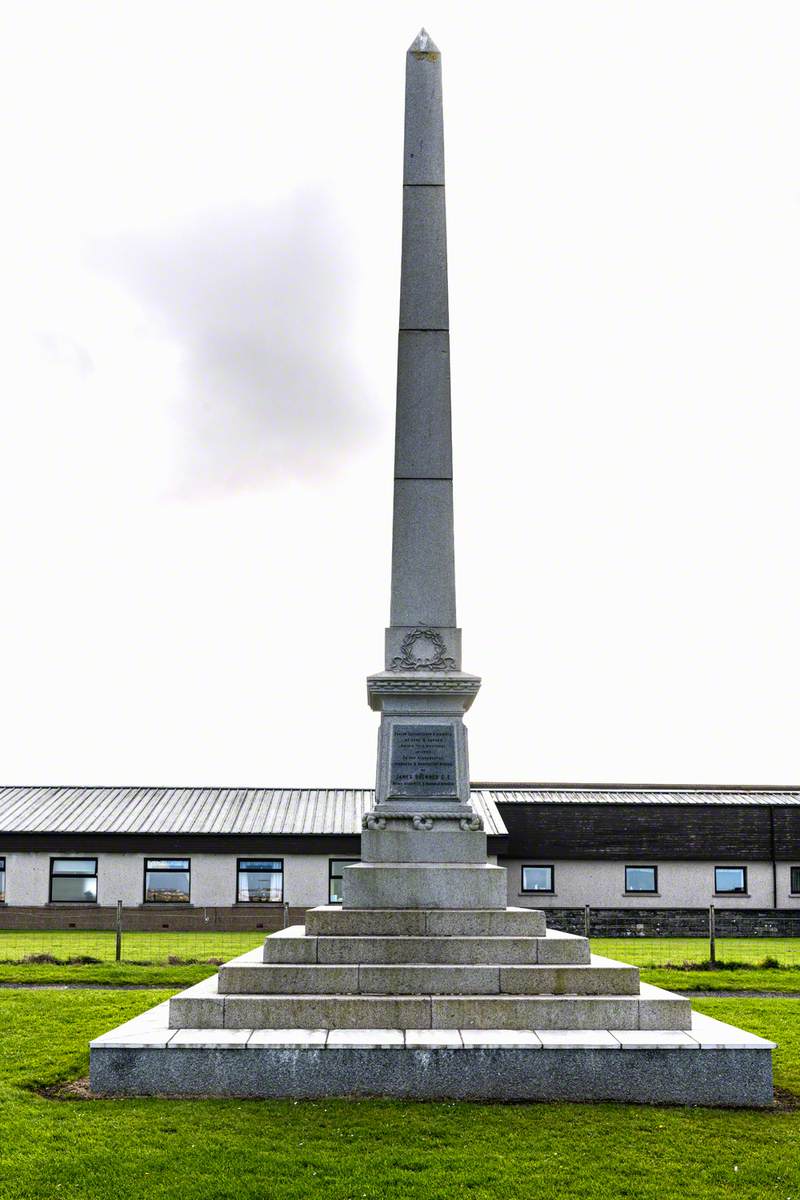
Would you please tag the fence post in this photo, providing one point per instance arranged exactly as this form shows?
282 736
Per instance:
285 914
712 937
587 913
118 949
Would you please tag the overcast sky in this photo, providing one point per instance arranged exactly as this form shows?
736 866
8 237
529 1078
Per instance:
200 269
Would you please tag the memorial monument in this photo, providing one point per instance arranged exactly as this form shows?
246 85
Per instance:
424 983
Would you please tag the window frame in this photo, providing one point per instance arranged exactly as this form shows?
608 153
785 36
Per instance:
653 891
257 858
551 891
166 871
348 862
731 891
95 875
794 891
2 878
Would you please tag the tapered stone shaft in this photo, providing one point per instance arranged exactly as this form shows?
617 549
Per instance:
423 838
423 570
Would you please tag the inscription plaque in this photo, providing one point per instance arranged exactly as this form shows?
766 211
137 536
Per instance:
423 761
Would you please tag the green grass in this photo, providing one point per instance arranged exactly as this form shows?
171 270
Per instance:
16 945
785 979
659 952
368 1150
146 958
106 973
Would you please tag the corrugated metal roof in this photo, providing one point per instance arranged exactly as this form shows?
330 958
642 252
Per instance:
622 795
261 811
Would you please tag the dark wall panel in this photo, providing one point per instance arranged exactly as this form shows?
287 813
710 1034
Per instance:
787 834
648 831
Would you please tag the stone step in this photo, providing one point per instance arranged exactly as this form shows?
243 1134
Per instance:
202 1007
603 977
444 885
291 946
331 920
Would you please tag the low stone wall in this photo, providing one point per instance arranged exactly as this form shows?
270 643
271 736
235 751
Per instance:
676 922
149 918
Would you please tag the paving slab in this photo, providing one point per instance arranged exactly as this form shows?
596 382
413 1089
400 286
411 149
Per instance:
293 1038
577 1039
654 1039
147 1036
433 1038
199 1039
490 1039
363 1038
712 1034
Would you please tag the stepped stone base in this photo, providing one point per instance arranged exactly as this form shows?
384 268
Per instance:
709 1064
437 1002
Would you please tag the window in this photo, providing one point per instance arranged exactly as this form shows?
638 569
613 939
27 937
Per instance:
73 880
641 879
537 879
794 885
335 866
2 881
728 880
167 880
259 881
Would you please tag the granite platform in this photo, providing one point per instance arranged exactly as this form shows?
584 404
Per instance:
710 1063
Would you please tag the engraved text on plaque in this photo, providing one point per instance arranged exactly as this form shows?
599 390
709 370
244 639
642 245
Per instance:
423 761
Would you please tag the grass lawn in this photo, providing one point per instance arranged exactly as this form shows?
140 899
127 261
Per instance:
17 944
364 1150
785 979
659 952
146 959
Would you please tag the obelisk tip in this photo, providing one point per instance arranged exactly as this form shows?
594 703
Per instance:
423 44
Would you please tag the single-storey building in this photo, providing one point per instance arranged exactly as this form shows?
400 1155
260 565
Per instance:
233 858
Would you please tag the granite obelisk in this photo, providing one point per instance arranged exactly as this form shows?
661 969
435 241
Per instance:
422 813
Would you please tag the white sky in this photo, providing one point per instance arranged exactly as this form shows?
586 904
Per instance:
200 242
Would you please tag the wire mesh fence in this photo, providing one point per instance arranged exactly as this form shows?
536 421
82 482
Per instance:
705 938
699 938
86 946
126 942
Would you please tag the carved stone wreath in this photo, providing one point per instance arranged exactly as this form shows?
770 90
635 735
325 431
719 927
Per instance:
423 650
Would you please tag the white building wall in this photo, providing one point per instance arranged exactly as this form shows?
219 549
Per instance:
27 877
121 877
680 885
599 884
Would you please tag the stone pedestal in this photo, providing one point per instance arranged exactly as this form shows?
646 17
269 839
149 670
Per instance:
423 983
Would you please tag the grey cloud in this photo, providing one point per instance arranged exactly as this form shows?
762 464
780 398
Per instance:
257 299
